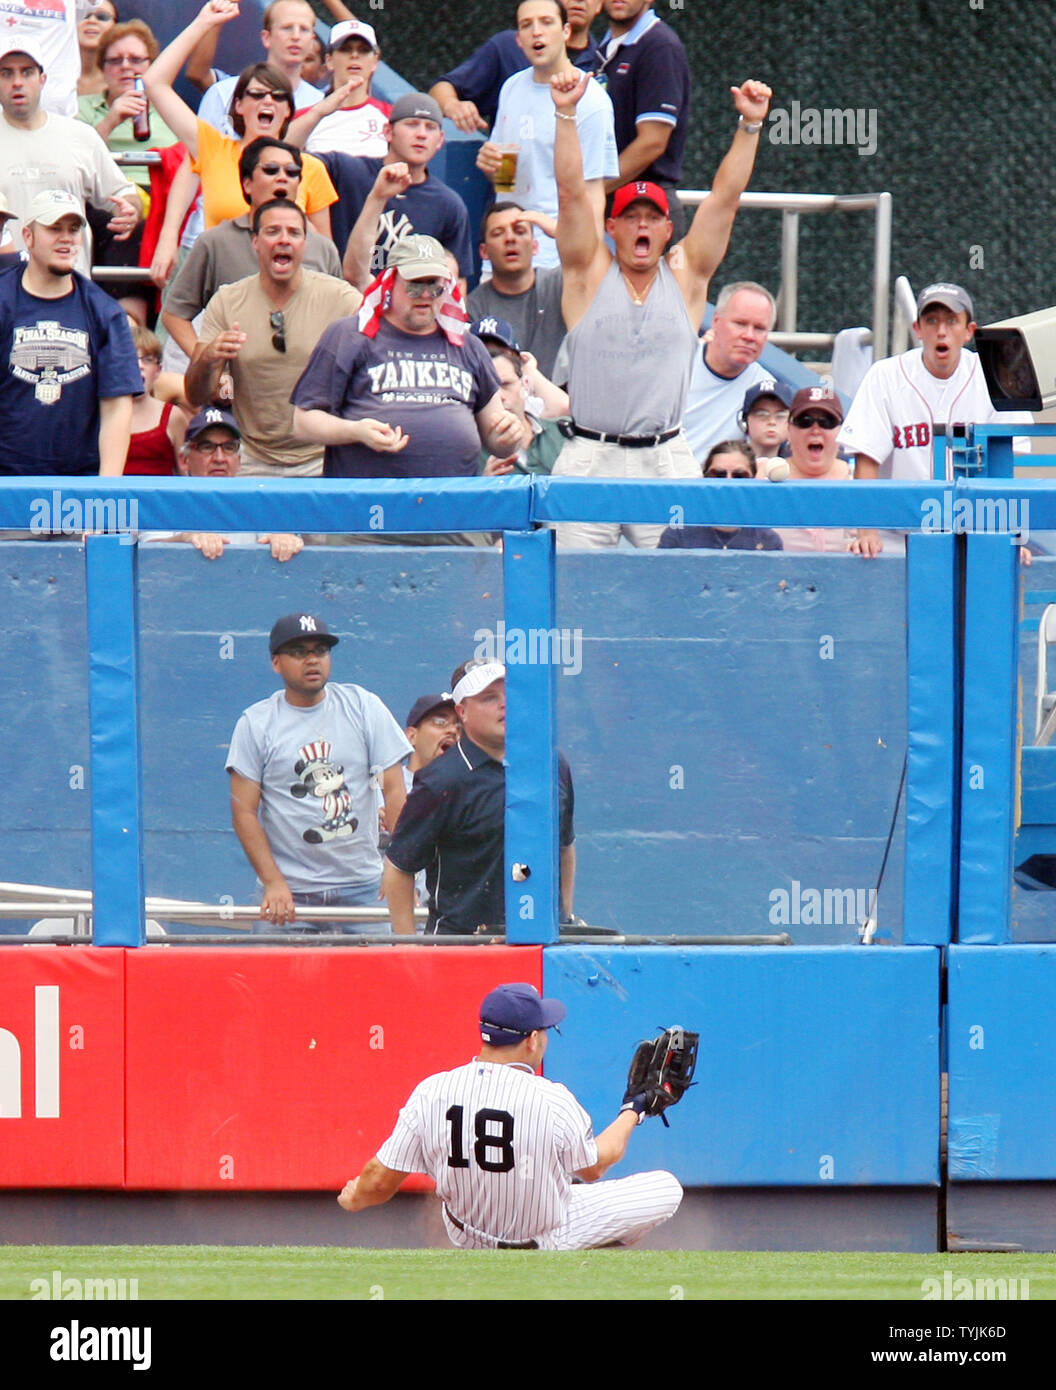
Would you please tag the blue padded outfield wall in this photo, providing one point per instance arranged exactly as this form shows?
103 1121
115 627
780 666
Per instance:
736 724
816 1067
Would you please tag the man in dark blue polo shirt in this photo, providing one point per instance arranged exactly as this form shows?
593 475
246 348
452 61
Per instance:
453 823
643 67
469 94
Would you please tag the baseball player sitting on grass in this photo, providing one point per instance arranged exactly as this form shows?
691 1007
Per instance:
503 1144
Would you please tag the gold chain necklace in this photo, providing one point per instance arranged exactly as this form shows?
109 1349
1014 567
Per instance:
640 299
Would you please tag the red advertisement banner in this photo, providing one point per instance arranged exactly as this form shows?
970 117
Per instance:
62 1056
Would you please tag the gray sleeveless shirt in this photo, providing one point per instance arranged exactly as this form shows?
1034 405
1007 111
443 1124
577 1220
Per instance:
630 364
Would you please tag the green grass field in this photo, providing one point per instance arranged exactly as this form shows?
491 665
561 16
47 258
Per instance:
291 1272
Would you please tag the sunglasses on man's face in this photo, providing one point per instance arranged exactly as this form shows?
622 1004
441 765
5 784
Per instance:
425 289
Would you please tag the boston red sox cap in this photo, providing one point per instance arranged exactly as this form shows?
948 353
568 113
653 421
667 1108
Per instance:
295 626
821 398
508 1014
640 192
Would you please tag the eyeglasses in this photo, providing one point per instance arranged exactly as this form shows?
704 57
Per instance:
125 60
426 289
807 422
278 333
292 171
720 473
210 446
258 95
300 652
777 417
149 359
441 721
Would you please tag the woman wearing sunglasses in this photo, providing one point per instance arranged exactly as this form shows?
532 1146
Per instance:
261 104
813 424
92 28
733 458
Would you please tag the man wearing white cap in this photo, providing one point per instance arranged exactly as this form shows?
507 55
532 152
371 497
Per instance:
891 423
454 821
42 151
70 367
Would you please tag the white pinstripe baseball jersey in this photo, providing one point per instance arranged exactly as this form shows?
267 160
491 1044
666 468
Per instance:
501 1144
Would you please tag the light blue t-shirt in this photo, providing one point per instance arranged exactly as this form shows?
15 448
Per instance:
317 768
715 402
526 118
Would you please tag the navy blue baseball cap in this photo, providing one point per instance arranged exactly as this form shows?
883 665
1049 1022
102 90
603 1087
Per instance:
212 415
295 627
425 704
760 391
497 331
508 1014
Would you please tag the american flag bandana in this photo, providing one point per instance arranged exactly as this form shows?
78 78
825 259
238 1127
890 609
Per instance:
451 316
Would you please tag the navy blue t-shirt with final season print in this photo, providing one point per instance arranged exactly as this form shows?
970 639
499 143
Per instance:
423 383
58 357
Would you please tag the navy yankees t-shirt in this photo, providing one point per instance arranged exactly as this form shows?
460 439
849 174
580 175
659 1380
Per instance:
424 384
425 209
58 357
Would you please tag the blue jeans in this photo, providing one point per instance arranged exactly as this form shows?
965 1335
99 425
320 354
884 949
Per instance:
363 896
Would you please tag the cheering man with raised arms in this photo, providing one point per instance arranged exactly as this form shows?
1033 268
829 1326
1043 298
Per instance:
633 317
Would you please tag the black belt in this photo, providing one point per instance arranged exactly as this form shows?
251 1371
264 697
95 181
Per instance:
625 441
499 1244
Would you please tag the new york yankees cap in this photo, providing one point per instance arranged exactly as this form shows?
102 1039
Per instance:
637 192
212 415
496 331
508 1014
949 296
419 258
294 626
478 676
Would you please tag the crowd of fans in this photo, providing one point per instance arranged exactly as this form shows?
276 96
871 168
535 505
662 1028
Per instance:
307 272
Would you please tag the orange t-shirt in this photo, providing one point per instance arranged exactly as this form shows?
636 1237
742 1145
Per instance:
217 166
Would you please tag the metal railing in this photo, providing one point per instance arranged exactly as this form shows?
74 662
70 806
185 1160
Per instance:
791 207
20 900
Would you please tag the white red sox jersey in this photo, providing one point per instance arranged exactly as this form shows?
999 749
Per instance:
894 413
502 1144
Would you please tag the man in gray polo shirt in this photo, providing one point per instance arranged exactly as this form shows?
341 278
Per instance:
303 766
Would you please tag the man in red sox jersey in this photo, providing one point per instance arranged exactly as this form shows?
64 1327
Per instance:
503 1144
893 416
